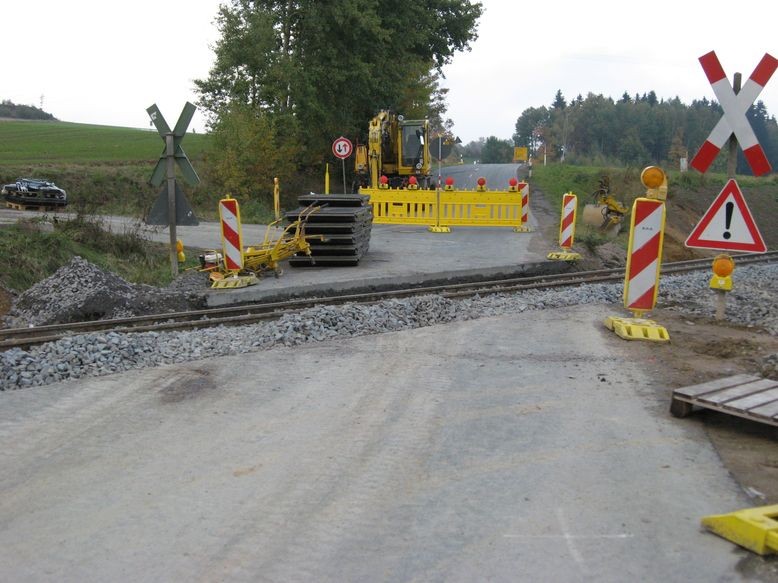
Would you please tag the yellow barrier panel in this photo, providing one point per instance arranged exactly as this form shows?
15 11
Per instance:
402 207
466 208
463 208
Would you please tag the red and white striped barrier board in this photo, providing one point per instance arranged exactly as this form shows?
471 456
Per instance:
734 119
524 190
644 255
232 238
567 224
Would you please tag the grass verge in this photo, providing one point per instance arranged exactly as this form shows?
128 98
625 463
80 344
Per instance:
34 250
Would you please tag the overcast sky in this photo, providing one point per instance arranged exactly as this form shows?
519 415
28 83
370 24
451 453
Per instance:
105 62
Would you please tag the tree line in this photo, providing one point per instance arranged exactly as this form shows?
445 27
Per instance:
635 130
11 110
290 76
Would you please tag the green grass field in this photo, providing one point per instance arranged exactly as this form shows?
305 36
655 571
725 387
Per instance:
58 142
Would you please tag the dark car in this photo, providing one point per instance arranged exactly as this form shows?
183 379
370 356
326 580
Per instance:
35 192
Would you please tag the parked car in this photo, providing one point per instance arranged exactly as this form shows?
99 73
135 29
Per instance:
35 191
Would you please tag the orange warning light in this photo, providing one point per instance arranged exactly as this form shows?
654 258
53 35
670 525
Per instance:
723 265
652 177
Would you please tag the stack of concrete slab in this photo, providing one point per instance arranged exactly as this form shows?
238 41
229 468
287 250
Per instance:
344 220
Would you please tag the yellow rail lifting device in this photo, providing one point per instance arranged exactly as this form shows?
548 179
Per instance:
258 259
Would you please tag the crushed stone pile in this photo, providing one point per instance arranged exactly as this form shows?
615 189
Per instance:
81 291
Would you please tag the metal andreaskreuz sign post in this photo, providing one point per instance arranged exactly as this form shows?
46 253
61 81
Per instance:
171 207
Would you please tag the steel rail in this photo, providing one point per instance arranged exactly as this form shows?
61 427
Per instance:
251 313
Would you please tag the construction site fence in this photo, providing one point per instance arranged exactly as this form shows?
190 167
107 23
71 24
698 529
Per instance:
449 208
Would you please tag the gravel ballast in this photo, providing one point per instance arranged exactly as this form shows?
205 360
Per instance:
753 302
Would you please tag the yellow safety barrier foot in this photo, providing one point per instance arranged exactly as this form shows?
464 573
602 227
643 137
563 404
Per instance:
235 281
563 256
439 229
637 329
755 529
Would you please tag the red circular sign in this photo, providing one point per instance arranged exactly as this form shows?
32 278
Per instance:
342 148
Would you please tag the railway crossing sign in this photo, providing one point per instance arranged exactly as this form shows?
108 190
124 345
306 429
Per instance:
161 209
342 148
734 120
728 225
159 174
171 207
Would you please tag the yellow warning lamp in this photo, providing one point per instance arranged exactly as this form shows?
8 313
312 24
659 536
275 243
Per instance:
655 181
180 250
723 266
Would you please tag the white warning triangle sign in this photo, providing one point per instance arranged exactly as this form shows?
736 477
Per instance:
728 225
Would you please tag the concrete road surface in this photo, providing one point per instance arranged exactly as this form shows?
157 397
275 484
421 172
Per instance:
526 448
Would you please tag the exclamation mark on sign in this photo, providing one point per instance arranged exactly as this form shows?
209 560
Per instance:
728 209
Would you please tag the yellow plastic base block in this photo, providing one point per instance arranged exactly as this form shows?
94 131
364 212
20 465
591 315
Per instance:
235 281
637 329
755 529
522 229
434 229
563 256
722 283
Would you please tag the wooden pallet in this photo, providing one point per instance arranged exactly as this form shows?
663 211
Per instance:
31 207
747 396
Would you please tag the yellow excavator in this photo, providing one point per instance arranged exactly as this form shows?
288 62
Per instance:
605 213
396 148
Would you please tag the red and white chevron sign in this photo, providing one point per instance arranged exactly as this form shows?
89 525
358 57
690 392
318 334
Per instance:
232 239
524 190
734 119
644 256
567 224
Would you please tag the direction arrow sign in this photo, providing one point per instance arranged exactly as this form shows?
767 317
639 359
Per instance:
734 119
728 224
342 148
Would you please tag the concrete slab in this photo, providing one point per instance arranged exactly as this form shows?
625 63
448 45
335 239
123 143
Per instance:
406 254
525 448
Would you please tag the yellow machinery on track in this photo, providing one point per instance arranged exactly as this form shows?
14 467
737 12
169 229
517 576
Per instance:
259 259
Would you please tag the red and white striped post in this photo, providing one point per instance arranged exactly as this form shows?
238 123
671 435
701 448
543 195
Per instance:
734 120
232 237
524 190
644 255
567 224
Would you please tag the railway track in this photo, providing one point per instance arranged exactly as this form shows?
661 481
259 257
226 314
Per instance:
252 313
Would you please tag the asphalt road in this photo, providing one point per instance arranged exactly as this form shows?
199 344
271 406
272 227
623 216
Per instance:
529 448
497 175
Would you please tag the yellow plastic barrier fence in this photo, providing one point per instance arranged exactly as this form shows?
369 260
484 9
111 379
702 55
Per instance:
402 207
446 208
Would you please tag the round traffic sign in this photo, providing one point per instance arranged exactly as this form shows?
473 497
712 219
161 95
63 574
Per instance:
342 148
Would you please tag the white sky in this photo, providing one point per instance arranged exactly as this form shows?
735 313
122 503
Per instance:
104 62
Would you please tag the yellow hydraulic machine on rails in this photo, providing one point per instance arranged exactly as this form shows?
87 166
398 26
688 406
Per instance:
249 264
